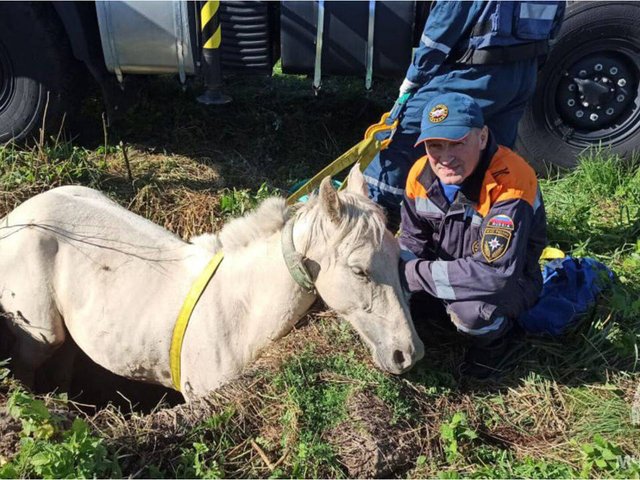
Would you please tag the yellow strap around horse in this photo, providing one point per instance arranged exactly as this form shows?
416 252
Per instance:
185 314
362 152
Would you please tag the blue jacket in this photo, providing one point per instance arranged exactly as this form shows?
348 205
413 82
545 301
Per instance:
455 29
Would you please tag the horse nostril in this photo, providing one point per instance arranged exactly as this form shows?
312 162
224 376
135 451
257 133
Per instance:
398 357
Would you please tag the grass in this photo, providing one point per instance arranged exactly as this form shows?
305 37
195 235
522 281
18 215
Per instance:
316 406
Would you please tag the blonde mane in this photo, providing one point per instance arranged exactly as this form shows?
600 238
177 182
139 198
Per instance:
360 218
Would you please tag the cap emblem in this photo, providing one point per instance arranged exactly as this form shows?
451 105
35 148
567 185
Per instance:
438 113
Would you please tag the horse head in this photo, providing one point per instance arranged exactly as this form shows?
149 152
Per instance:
353 260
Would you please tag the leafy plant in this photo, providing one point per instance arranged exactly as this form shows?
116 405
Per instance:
235 203
455 433
48 450
601 455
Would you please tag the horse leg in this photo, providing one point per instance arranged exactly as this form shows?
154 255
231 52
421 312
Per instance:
27 300
38 331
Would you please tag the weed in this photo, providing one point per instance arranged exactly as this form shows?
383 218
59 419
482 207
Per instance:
49 450
606 459
235 203
454 434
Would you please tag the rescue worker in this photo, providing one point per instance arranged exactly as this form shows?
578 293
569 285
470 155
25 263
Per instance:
473 228
486 49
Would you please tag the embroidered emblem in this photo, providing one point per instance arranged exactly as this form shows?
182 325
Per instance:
501 221
496 237
438 113
475 247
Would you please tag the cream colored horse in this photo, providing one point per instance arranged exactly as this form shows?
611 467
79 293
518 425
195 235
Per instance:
73 262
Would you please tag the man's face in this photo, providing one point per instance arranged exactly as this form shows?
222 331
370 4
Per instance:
453 161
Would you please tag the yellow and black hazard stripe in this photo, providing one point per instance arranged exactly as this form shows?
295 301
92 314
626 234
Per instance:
210 24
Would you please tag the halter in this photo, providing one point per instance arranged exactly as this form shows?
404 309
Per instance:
295 265
295 260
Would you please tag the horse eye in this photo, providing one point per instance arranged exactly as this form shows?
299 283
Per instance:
359 272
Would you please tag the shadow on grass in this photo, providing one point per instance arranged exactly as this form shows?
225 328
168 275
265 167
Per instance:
275 131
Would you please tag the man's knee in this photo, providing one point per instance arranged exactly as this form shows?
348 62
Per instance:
479 328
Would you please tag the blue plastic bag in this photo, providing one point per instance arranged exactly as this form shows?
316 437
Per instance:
570 287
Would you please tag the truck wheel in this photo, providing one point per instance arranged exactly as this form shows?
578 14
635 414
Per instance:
36 70
588 90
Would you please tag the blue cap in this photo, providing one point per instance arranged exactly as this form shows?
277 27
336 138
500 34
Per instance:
450 116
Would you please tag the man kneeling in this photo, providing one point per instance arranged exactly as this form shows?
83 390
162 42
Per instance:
473 227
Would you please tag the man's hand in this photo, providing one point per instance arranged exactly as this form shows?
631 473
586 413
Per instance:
407 86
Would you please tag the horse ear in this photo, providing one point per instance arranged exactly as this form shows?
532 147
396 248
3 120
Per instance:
329 200
356 182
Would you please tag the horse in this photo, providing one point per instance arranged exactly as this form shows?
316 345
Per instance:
75 263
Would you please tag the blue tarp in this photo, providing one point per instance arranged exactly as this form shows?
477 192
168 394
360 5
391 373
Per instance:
571 286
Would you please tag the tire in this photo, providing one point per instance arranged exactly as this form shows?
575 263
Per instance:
36 71
599 45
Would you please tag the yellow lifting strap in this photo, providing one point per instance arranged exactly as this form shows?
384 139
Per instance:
550 253
184 316
362 152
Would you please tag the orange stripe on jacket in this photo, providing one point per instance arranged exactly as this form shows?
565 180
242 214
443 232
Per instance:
414 188
508 177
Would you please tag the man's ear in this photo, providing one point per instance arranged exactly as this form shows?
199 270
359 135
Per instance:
484 137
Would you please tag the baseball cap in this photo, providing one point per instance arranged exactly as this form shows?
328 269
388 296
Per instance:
450 116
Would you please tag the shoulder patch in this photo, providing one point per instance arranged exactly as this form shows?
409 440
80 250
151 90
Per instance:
496 237
501 221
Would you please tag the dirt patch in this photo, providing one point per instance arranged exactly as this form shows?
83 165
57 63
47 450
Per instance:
370 444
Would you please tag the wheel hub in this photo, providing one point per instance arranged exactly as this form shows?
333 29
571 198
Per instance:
595 92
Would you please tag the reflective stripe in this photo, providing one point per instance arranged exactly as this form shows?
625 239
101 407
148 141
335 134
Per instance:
538 12
383 186
431 44
425 205
538 201
484 330
440 276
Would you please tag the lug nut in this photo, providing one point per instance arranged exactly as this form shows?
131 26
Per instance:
610 111
613 70
585 104
622 82
620 98
598 67
593 117
579 114
582 73
572 87
571 102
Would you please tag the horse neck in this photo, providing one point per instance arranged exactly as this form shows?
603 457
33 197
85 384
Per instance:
253 302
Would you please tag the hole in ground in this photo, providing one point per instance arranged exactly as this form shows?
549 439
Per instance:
92 386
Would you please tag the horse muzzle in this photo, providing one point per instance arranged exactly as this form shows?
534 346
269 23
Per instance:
400 360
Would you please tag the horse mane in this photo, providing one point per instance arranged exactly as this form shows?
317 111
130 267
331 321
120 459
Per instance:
360 217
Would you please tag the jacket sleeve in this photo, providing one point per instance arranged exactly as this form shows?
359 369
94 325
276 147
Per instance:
414 233
477 277
447 23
